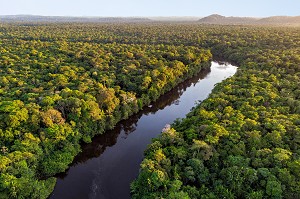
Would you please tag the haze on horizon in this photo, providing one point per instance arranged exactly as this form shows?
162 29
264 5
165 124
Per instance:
105 8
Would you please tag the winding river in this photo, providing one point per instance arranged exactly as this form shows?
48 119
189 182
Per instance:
105 167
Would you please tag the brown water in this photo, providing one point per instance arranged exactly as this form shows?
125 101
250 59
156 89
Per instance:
106 167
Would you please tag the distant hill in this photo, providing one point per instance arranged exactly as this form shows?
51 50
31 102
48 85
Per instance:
37 18
211 19
219 19
215 18
280 19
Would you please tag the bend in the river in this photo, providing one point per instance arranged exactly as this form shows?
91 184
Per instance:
105 167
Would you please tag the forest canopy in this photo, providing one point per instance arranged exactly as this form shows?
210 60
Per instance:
61 84
59 91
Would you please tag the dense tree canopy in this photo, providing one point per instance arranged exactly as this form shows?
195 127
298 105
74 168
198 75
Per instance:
61 84
243 141
57 90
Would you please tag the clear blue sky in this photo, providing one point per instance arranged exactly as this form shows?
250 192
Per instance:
257 8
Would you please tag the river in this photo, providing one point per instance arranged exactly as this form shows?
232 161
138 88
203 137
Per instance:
105 167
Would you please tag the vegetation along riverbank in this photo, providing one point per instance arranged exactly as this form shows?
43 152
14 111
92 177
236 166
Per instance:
63 83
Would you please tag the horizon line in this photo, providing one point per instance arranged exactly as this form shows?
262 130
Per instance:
140 16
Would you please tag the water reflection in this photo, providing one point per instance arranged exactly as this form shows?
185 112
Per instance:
99 143
105 167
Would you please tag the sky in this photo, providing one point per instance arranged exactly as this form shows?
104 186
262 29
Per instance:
252 8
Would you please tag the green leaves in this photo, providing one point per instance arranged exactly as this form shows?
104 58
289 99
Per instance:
12 113
63 83
243 141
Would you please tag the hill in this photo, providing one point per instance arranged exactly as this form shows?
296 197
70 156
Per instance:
219 19
280 20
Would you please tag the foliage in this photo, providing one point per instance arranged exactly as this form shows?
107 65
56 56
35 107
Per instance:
242 141
63 83
57 90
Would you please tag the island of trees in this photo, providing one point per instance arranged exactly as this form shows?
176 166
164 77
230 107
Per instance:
61 84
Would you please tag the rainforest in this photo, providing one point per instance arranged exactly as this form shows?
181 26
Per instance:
61 84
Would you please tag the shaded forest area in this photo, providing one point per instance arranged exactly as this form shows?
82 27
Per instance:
243 141
64 83
58 90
